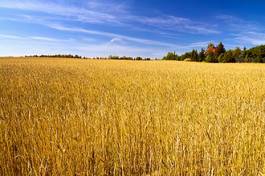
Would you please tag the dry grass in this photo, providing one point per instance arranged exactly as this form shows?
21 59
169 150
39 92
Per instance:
80 117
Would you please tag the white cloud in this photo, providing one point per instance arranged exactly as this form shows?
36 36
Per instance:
37 38
181 24
110 35
243 32
7 36
116 40
29 45
253 38
236 24
72 12
107 12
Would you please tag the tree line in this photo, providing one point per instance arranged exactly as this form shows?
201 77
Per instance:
128 58
218 54
58 56
98 58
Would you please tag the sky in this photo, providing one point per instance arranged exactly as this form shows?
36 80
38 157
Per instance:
147 28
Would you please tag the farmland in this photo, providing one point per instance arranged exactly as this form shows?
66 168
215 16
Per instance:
91 117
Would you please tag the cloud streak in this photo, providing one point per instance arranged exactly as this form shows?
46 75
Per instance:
252 38
72 12
110 35
101 21
242 31
181 24
99 12
36 38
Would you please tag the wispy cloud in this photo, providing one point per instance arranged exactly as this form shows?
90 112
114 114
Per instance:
83 14
74 18
110 35
117 37
243 32
107 12
115 46
252 38
237 24
37 38
48 39
42 45
7 36
181 24
114 37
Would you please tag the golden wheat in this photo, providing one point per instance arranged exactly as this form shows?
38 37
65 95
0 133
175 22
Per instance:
88 117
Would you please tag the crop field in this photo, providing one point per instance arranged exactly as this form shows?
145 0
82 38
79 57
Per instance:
150 118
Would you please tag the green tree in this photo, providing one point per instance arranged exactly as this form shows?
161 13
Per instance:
257 54
194 55
202 55
242 57
237 53
228 56
221 58
211 58
138 58
186 55
210 45
171 56
220 49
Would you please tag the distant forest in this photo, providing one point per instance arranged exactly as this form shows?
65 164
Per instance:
218 54
213 54
59 56
99 58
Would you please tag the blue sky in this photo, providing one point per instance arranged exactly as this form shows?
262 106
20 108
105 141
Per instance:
147 28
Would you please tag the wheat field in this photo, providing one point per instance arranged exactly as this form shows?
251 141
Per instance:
91 117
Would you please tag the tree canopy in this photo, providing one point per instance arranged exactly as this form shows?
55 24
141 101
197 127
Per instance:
218 53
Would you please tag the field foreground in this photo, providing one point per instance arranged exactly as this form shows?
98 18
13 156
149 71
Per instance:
82 117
